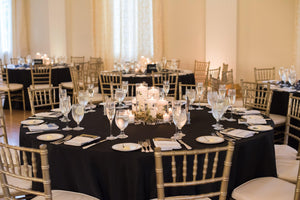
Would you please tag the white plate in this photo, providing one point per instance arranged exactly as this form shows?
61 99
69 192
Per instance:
50 136
209 139
32 121
252 116
126 147
260 128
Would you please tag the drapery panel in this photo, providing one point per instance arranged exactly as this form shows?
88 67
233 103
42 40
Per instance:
5 30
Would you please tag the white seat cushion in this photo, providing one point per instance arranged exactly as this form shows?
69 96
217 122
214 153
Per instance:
68 85
67 195
287 169
283 151
12 87
266 188
278 119
97 97
40 86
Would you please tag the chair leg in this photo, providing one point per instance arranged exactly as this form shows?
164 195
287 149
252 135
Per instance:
23 98
9 101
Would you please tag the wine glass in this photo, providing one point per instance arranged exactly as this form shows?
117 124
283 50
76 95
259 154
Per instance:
179 119
110 113
292 79
91 95
83 97
222 91
77 114
191 94
231 98
166 87
164 61
122 120
125 87
65 111
218 111
211 98
120 95
200 90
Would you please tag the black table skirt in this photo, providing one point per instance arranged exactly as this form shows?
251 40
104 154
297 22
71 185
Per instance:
107 174
280 102
23 76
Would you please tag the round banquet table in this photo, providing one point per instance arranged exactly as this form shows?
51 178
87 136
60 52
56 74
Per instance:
108 174
280 101
23 76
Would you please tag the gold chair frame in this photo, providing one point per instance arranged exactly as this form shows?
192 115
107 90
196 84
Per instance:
108 78
227 78
41 76
160 181
264 74
183 87
201 72
177 62
77 59
158 79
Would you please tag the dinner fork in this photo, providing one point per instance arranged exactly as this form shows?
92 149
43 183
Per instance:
68 137
141 143
145 144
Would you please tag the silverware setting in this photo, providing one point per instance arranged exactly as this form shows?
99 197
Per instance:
146 146
188 147
93 144
60 141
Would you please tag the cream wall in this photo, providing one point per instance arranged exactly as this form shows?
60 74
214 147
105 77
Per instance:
266 35
184 30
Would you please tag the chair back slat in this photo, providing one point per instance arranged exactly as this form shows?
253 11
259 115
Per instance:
227 78
158 79
108 78
29 155
264 74
201 71
46 97
169 63
208 174
41 74
183 88
77 59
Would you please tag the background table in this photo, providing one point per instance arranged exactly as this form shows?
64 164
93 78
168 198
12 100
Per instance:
107 174
280 102
23 76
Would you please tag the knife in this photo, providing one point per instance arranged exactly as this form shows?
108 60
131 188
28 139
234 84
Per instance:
90 145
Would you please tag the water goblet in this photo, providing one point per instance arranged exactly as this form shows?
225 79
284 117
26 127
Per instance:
77 114
125 87
66 109
166 87
211 98
231 98
119 95
179 119
200 90
292 79
218 111
122 120
222 91
83 97
191 94
110 113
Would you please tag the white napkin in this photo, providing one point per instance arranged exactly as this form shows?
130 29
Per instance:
167 145
44 127
48 114
250 112
256 121
239 109
239 133
80 140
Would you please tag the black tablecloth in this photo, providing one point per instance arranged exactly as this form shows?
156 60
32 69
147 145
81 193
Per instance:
23 76
102 172
280 102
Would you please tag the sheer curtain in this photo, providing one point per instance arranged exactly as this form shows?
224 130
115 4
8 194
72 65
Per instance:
124 30
5 29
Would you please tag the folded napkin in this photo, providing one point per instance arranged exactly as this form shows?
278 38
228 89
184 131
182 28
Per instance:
166 144
256 121
239 133
250 112
239 109
81 140
43 127
49 114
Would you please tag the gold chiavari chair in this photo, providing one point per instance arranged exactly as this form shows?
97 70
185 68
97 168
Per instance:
225 67
268 188
95 59
179 162
214 73
17 175
264 74
183 88
169 63
108 78
77 59
14 91
158 79
257 96
227 78
214 83
3 126
45 97
201 71
41 76
287 158
14 61
130 93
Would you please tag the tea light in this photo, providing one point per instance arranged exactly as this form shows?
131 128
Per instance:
166 117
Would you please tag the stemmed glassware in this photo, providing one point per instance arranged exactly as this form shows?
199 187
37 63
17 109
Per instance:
122 120
110 113
222 91
125 87
231 99
83 97
211 98
77 114
91 92
191 94
66 108
218 109
292 79
200 90
120 96
166 87
179 119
